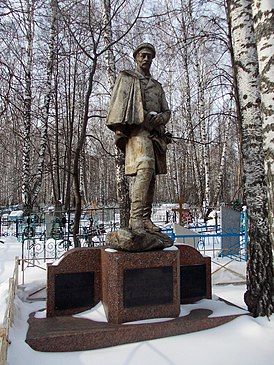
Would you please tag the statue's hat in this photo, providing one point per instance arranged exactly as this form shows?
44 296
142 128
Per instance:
144 45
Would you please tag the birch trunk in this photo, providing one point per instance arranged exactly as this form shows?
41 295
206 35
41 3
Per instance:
263 17
258 296
189 112
190 149
77 154
204 183
205 154
121 180
26 189
175 174
216 195
45 111
70 122
200 75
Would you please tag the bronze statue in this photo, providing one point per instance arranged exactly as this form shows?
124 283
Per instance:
138 113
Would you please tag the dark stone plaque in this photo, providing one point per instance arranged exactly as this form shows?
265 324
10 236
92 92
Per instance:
150 286
193 281
74 290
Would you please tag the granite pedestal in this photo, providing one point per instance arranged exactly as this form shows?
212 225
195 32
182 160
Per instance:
74 282
140 285
195 275
132 286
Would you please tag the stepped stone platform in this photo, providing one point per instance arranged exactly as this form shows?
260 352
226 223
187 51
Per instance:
141 294
68 333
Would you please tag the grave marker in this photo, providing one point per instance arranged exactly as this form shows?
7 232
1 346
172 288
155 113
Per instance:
230 225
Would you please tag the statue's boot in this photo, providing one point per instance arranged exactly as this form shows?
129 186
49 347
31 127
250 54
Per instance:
148 224
138 199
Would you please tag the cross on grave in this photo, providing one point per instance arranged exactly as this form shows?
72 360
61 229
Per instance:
181 210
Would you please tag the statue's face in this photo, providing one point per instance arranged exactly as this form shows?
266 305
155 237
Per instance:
143 60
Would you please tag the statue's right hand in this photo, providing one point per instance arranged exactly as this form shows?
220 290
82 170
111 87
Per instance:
157 120
120 133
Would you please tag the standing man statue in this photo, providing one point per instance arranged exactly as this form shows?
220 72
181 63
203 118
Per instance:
138 113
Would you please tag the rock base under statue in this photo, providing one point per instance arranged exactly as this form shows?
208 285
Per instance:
127 240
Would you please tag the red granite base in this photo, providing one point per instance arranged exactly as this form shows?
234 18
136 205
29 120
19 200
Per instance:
66 334
133 285
78 261
189 256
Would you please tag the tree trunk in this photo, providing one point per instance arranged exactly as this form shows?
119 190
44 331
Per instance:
200 79
45 112
77 156
263 17
26 189
121 179
186 53
70 121
216 195
258 296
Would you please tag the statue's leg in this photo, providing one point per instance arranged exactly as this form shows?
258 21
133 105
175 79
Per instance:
148 224
138 199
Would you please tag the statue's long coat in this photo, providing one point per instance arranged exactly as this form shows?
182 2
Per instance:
129 105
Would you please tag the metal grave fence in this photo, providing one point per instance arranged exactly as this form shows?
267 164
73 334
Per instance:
46 237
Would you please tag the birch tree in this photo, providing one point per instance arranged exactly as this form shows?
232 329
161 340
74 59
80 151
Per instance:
121 180
32 168
78 151
187 102
263 18
258 296
218 187
46 105
26 189
90 41
176 29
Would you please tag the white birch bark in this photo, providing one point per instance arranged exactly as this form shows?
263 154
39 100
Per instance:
121 180
263 17
189 112
216 195
107 32
46 106
205 183
258 296
205 156
203 131
174 172
26 189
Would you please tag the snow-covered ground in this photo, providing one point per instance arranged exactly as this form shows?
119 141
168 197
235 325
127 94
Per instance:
243 341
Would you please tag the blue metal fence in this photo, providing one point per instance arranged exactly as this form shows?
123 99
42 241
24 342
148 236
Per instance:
208 239
47 239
